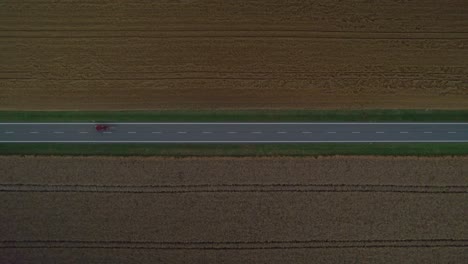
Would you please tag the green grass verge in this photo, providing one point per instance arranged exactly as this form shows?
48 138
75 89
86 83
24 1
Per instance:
239 116
184 150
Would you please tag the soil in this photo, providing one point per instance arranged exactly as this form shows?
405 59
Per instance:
128 55
263 210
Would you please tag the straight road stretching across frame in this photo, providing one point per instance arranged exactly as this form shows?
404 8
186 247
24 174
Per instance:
233 132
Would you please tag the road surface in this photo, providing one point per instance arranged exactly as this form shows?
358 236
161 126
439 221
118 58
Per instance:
233 132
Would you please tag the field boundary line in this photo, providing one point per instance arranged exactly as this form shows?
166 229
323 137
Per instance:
229 188
233 245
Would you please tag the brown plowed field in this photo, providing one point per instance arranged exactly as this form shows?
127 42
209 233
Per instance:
232 210
118 54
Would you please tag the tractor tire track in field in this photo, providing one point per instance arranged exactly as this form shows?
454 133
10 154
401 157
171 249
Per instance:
231 188
237 245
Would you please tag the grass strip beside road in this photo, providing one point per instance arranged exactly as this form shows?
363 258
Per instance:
236 150
238 116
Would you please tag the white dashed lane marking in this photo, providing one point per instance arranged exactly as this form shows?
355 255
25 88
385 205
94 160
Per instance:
230 132
449 132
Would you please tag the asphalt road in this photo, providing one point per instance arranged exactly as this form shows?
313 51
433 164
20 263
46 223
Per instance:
234 132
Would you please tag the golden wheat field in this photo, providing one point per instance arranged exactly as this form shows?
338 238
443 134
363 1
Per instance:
204 54
211 210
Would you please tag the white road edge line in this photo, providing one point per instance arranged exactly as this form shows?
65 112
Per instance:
246 123
256 132
34 132
428 132
58 132
452 132
215 141
232 132
207 132
281 132
156 132
356 132
182 132
306 132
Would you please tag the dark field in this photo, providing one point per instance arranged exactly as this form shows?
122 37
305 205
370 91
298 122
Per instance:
205 54
262 210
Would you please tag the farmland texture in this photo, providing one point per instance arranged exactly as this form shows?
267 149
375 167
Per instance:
262 210
204 54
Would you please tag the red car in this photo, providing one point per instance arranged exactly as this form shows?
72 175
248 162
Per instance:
102 128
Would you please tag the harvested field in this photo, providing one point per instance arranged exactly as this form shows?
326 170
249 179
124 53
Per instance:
124 55
211 210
